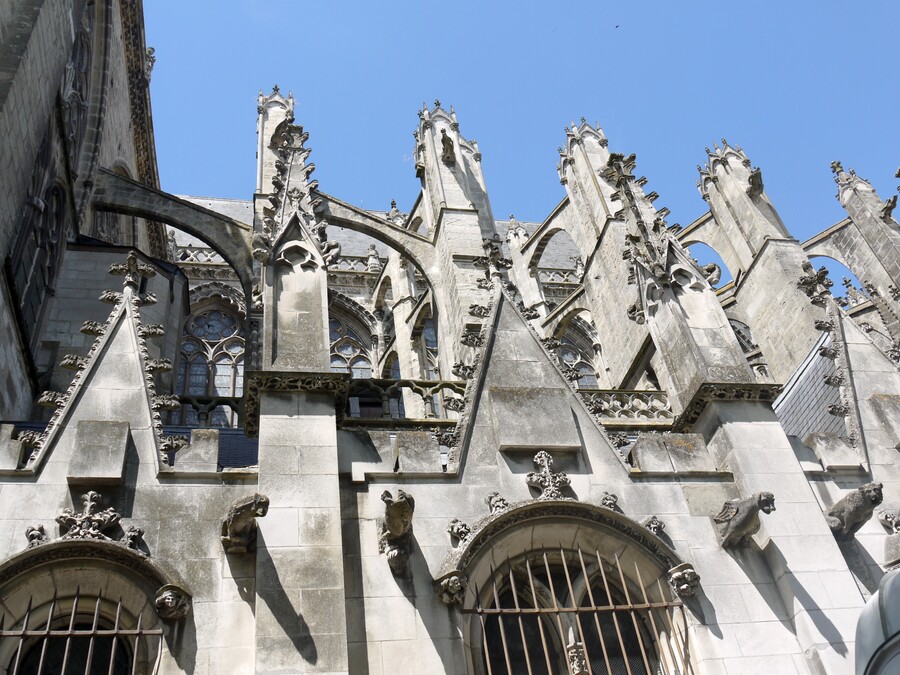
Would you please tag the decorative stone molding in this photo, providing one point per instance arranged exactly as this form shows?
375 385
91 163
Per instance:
610 501
463 370
738 520
446 437
480 311
838 410
654 524
93 328
577 661
496 503
829 352
455 404
854 510
640 406
451 589
825 325
239 525
258 381
549 482
571 373
73 362
536 510
708 392
551 343
472 339
395 539
458 530
36 535
528 312
89 524
172 603
834 380
684 580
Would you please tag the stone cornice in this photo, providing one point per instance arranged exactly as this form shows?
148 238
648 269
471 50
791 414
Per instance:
724 391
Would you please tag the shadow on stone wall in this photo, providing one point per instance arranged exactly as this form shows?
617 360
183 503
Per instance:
271 590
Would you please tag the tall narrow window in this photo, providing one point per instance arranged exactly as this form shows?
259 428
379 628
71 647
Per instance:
212 366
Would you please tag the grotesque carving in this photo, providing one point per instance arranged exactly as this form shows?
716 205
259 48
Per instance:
172 603
261 243
684 580
889 205
396 530
36 535
738 520
712 272
239 525
480 311
549 482
496 503
459 530
610 501
451 589
755 188
654 524
133 537
853 510
447 154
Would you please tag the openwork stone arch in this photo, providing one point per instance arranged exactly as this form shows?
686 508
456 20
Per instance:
218 292
63 583
555 583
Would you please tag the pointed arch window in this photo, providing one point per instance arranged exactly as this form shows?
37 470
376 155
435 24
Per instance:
579 353
349 351
212 366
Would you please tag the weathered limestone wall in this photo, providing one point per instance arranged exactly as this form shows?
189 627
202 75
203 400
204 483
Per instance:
780 315
300 621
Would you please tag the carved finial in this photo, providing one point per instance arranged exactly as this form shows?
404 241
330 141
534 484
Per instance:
545 479
437 103
275 89
836 167
132 270
583 120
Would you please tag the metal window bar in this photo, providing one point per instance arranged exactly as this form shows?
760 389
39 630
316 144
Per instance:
76 641
568 612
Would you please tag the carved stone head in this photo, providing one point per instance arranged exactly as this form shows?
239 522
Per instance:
766 501
172 603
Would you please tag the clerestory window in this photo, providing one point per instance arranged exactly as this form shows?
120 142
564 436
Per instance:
212 366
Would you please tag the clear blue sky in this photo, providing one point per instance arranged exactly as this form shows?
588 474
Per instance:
797 84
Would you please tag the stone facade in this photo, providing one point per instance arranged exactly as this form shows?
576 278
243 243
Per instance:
288 435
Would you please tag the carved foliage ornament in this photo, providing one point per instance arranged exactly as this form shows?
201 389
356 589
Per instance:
549 482
90 523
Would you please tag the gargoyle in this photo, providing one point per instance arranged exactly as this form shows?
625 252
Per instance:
889 205
239 525
396 530
738 520
853 510
447 154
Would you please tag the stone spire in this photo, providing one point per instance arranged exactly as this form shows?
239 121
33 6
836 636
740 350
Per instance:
734 189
